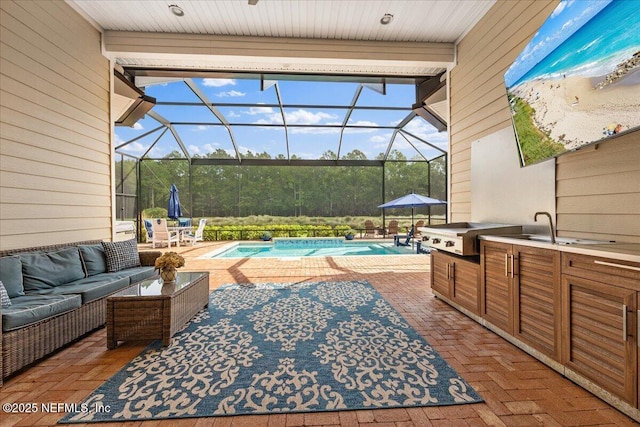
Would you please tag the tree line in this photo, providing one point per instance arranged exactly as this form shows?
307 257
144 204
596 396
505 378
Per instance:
221 191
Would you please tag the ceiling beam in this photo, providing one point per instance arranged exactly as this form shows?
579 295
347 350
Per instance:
302 55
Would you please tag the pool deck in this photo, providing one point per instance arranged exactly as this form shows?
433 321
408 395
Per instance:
258 270
518 390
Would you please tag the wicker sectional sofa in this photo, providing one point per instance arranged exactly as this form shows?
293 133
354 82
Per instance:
58 293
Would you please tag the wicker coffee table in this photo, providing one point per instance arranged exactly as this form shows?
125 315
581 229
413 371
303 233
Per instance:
148 310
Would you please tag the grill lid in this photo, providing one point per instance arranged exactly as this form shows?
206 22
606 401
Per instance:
471 229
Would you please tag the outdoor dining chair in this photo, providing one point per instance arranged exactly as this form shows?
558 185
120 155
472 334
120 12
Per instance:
162 234
198 236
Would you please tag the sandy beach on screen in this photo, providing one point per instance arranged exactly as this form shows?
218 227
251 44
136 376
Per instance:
574 112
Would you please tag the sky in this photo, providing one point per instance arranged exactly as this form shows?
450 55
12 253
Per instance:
565 20
201 137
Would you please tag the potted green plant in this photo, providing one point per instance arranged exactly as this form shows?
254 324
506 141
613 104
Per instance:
266 236
348 234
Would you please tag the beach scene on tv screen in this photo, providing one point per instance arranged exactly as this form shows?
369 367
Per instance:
578 80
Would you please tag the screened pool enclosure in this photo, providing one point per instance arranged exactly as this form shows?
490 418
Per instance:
239 145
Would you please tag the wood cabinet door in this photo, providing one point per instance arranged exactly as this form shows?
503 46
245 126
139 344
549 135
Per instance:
440 274
496 294
465 289
538 314
598 343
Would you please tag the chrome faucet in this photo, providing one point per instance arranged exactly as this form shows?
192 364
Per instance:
551 231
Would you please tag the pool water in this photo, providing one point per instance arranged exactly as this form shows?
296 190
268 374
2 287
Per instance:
269 250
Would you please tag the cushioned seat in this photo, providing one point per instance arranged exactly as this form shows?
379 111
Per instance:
137 274
100 285
25 310
89 288
134 274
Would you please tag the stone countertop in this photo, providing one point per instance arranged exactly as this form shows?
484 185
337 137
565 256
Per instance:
620 251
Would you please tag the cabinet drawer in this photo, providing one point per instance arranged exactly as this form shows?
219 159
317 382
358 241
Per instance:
612 271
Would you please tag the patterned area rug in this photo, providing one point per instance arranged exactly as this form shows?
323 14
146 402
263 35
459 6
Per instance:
303 347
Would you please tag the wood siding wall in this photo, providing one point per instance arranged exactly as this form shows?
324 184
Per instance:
597 191
479 104
55 161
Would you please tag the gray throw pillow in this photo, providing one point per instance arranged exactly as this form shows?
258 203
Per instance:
94 259
121 255
11 275
4 297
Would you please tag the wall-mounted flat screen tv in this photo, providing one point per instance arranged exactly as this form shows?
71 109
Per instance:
578 79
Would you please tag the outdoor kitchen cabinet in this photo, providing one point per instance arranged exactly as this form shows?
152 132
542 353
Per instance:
457 279
520 293
600 329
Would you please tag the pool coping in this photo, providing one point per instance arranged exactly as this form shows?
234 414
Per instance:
232 245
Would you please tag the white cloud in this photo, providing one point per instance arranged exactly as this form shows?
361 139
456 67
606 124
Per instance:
420 128
558 10
200 128
253 111
273 119
362 130
270 116
307 117
203 149
138 126
134 148
363 123
425 131
218 82
231 94
293 118
314 131
379 138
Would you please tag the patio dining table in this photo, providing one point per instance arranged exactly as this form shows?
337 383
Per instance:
182 230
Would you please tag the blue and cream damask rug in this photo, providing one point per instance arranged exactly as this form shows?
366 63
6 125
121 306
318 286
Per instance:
301 347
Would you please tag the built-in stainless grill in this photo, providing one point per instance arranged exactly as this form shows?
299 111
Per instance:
461 238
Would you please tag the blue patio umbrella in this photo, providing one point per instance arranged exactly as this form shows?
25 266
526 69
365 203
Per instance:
174 211
412 201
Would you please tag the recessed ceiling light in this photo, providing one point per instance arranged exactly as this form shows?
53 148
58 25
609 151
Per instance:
386 19
176 10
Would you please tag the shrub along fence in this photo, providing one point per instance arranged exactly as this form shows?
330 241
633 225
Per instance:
254 232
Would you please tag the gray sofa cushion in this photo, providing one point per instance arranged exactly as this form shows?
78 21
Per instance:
121 255
11 275
93 258
99 285
138 274
48 269
132 275
88 288
26 310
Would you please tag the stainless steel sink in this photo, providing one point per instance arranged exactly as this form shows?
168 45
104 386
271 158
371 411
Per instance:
559 240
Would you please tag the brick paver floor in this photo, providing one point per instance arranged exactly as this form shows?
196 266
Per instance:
517 389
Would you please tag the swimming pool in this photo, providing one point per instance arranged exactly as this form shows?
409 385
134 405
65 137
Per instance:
270 250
